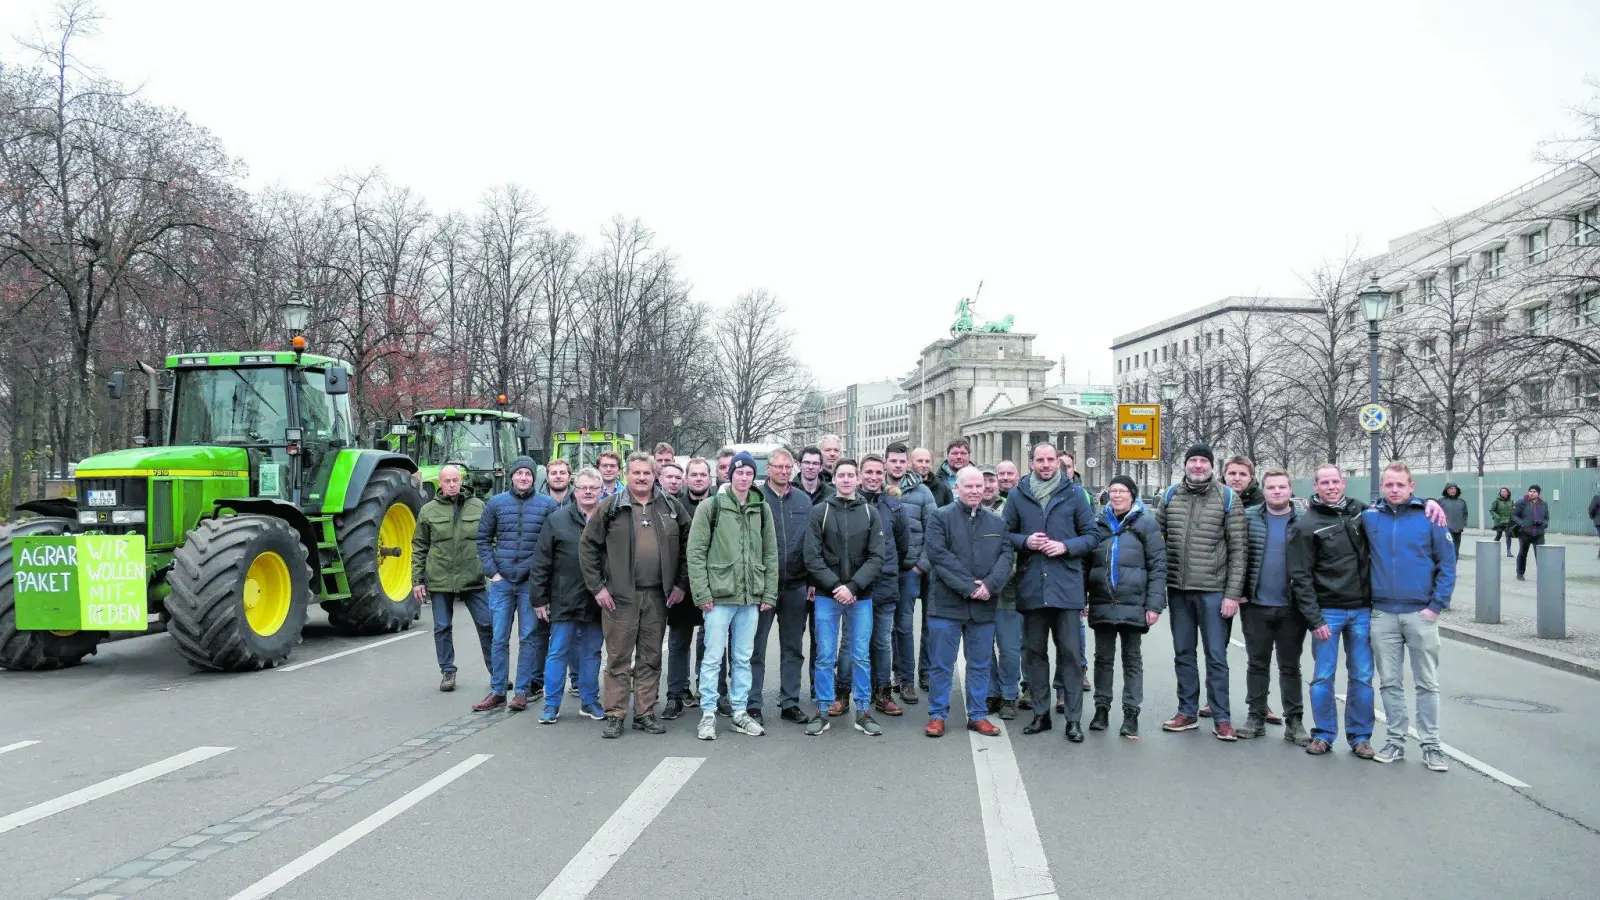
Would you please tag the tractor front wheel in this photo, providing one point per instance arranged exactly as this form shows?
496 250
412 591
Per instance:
240 589
36 650
375 542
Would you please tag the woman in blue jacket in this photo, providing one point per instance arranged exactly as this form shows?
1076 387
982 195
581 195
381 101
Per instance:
1127 593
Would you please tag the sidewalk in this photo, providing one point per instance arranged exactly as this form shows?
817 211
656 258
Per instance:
1516 634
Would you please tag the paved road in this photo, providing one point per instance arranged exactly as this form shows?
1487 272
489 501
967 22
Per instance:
355 778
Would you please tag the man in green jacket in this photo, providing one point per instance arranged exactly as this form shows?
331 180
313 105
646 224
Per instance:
445 568
733 576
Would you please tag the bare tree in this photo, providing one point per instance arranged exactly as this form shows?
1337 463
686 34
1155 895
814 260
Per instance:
760 383
1323 368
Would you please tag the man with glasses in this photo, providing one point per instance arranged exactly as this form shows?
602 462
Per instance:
812 483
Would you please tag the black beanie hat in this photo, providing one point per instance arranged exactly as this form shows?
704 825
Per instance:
1200 450
1126 482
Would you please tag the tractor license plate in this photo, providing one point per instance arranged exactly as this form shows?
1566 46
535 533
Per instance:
103 498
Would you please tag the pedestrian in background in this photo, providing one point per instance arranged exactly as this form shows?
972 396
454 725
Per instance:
1594 512
733 576
1500 513
445 569
791 518
1455 513
1271 620
844 554
1127 593
562 599
971 556
1531 516
633 563
507 537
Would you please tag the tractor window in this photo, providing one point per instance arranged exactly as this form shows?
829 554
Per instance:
325 419
453 440
581 455
230 406
506 430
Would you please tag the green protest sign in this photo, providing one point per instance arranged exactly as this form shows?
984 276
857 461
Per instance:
79 582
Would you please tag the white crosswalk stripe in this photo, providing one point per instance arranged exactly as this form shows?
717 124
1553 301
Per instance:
109 786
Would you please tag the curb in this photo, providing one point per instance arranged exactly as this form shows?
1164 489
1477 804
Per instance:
1562 661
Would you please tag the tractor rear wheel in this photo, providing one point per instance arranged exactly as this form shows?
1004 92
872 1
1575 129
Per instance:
375 542
36 650
240 589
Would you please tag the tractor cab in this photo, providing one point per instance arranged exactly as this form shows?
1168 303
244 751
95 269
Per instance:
483 442
582 448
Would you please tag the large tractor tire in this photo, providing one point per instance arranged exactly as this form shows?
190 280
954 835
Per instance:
241 586
36 650
375 542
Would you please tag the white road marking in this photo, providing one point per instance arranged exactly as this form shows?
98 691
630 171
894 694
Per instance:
17 746
109 786
1466 759
584 871
371 646
325 850
1018 868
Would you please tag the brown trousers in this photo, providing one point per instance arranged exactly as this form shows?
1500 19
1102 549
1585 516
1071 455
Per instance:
634 632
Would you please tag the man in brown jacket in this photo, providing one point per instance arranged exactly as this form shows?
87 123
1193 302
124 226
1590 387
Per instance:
1208 551
633 562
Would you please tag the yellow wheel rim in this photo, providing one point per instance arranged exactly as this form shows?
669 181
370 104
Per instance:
267 593
394 551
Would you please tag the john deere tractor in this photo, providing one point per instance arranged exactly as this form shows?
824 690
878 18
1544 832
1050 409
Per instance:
483 442
254 503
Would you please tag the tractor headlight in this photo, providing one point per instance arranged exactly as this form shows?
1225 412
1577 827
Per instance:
127 517
88 517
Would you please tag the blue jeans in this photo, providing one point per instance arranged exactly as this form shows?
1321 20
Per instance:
507 600
1197 617
443 614
905 630
1007 658
883 616
721 620
1355 625
574 644
943 637
829 614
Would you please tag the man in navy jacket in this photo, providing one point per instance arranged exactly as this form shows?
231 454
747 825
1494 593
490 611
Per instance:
507 537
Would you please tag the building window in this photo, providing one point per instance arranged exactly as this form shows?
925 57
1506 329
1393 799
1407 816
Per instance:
1534 244
1585 390
1537 318
1425 290
1586 226
1536 394
1398 301
1185 346
1208 339
1427 350
1163 352
1458 340
1494 262
1458 277
1589 309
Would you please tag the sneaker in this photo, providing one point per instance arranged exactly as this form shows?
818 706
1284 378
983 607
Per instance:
1101 719
1180 722
1087 684
518 703
817 725
1433 758
1318 747
984 727
1363 750
708 727
613 729
649 725
1254 727
595 711
447 681
1224 732
1205 711
794 714
1008 710
535 691
908 695
674 707
866 725
744 724
756 714
1390 753
548 716
493 701
935 728
724 707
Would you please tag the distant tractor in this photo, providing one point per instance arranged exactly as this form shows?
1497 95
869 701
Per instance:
254 503
583 447
484 442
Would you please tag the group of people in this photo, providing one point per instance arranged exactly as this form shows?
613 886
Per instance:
700 559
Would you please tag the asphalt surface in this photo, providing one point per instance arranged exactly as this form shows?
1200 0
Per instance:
555 811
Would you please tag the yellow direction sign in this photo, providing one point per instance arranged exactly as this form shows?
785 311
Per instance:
1373 417
1138 431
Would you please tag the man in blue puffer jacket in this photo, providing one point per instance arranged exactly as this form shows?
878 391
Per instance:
1413 574
507 537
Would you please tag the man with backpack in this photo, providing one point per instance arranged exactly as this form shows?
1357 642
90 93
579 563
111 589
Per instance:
844 555
733 576
1208 547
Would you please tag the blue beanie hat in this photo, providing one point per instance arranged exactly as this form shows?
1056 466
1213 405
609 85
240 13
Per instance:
742 458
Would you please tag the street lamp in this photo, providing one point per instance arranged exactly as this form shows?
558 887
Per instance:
1374 302
1169 398
295 312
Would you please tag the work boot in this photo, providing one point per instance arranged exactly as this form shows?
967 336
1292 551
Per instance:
1180 722
447 681
493 701
1362 750
1101 720
674 707
839 708
908 695
1272 718
1318 747
613 729
1294 732
1253 727
1130 722
885 704
1008 710
648 724
935 728
518 703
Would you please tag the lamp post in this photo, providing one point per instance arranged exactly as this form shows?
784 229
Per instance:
296 312
1374 302
1169 399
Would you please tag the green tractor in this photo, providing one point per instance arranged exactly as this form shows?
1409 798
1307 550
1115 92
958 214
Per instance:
255 503
484 442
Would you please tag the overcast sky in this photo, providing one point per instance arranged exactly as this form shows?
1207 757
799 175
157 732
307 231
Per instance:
1096 169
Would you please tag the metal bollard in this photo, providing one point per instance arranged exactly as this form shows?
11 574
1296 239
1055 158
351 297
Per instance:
1487 607
1551 563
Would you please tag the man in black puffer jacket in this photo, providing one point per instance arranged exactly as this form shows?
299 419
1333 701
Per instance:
1271 620
844 555
563 600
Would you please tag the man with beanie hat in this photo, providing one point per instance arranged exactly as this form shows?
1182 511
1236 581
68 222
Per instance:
507 537
1208 549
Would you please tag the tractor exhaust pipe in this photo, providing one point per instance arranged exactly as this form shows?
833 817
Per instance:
152 404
